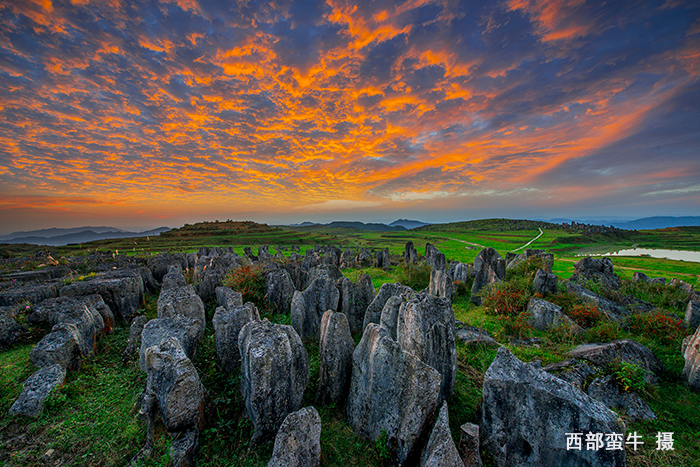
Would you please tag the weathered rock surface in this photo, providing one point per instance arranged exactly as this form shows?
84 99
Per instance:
391 390
298 442
471 335
597 270
174 394
183 301
275 372
576 372
135 330
156 331
227 298
434 257
228 323
441 284
374 310
469 445
410 254
389 318
160 264
613 310
691 354
59 347
526 414
625 350
335 355
124 295
174 278
36 390
545 282
692 314
460 272
32 293
354 299
489 268
308 306
383 259
425 328
544 315
609 392
279 289
10 329
441 450
640 277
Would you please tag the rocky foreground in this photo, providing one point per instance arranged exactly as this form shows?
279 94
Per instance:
396 383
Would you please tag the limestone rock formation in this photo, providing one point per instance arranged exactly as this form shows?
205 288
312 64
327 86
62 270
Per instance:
625 350
597 270
691 354
410 255
275 372
544 314
279 290
526 414
227 298
36 389
441 284
183 301
545 282
391 390
156 331
609 392
59 347
354 299
374 310
335 355
308 306
298 442
228 323
441 450
489 268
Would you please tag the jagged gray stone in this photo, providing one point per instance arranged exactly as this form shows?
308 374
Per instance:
183 301
335 356
124 294
275 372
529 255
625 350
545 282
389 318
174 278
425 328
354 299
61 346
228 323
157 331
613 310
441 284
374 309
609 392
691 355
597 270
298 442
410 255
308 306
36 390
526 414
434 257
279 289
469 445
391 390
135 330
489 267
227 297
692 314
10 329
544 314
440 451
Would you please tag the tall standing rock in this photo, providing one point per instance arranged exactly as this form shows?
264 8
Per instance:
526 414
308 306
691 354
441 284
410 255
441 450
183 301
435 258
354 299
374 310
275 372
335 354
279 290
426 329
228 323
545 282
490 268
383 259
157 331
391 391
298 443
597 270
692 314
390 314
227 298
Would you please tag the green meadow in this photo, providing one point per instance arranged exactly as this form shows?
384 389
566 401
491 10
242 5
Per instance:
93 419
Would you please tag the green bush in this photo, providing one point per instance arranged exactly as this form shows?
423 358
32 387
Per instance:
250 282
415 276
658 327
507 297
604 331
585 314
515 326
629 375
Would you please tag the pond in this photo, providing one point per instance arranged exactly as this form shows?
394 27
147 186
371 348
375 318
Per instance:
681 255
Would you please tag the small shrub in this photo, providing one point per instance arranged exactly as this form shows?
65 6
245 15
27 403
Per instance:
629 375
515 326
605 331
526 268
566 300
380 445
657 326
250 282
585 314
462 289
507 297
415 276
564 333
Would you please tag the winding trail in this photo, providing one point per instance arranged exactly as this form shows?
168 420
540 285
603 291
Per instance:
528 243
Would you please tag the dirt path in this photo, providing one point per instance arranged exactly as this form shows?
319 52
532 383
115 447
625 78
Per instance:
528 243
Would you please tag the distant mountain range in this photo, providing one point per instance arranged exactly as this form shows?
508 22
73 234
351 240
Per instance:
59 237
397 225
646 223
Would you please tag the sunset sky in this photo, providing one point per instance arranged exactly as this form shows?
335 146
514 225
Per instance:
146 114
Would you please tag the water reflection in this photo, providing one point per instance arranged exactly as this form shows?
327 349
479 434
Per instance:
668 254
